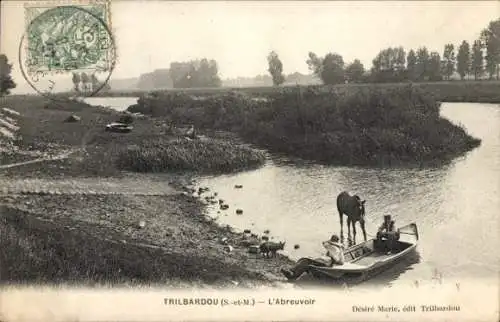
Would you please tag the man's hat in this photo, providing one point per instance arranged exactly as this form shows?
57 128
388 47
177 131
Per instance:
388 217
335 238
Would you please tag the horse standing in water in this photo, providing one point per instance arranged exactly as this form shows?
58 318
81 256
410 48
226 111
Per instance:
354 208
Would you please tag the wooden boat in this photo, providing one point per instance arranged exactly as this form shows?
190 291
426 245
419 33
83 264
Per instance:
370 258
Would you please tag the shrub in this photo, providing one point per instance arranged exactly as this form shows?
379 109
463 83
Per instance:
363 125
160 155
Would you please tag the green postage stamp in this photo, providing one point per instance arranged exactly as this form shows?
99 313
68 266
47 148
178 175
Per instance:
64 37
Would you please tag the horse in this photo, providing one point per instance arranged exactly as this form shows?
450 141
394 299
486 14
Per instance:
354 208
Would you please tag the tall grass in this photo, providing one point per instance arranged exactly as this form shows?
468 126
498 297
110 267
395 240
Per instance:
351 125
159 155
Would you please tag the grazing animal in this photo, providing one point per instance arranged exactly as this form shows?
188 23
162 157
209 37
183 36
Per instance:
354 208
270 248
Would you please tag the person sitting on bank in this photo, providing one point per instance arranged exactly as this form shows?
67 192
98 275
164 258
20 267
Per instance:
388 231
334 256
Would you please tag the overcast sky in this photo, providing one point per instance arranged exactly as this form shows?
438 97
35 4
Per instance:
239 35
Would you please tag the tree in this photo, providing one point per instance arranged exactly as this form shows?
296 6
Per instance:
84 78
76 82
355 71
329 69
315 64
491 41
411 65
195 73
275 68
389 65
6 82
94 82
477 60
333 69
422 66
434 67
463 59
449 60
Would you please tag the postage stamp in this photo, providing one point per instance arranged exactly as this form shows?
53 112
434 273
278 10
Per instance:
62 40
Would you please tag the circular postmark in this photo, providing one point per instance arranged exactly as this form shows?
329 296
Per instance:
67 49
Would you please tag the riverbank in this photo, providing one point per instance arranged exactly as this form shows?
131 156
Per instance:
352 125
97 240
73 234
153 145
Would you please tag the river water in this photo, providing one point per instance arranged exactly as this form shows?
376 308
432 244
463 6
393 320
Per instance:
456 207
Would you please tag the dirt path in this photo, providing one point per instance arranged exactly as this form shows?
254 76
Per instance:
61 156
108 186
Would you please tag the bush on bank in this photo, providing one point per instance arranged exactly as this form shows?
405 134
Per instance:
160 155
350 125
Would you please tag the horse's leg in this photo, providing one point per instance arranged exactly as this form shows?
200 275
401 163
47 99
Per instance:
348 227
362 224
341 217
354 230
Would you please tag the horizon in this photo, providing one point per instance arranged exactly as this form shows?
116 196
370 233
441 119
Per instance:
240 35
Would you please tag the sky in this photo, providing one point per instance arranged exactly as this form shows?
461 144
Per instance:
239 34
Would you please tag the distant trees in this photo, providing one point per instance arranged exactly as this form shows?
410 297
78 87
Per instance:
422 66
411 65
83 83
463 59
329 69
490 39
275 68
477 60
389 65
355 71
195 73
6 82
449 61
434 67
85 80
76 82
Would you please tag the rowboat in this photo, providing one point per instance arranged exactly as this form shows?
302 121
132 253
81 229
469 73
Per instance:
367 259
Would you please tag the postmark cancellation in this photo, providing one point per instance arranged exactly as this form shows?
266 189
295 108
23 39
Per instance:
66 37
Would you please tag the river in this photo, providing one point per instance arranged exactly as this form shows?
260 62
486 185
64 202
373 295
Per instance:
456 207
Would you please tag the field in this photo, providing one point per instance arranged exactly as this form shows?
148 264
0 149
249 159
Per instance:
483 91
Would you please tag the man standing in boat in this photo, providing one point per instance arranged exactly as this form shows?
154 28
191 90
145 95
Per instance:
334 256
388 231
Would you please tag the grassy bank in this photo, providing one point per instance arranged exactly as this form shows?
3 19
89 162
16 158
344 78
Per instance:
149 147
90 241
349 125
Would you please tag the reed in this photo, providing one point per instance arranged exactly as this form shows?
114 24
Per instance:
164 155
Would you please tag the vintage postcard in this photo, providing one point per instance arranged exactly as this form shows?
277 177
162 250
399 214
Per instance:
249 160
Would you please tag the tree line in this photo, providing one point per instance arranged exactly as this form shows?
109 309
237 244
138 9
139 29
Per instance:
394 64
82 82
468 60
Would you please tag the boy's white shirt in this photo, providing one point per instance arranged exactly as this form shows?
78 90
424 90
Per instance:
334 250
